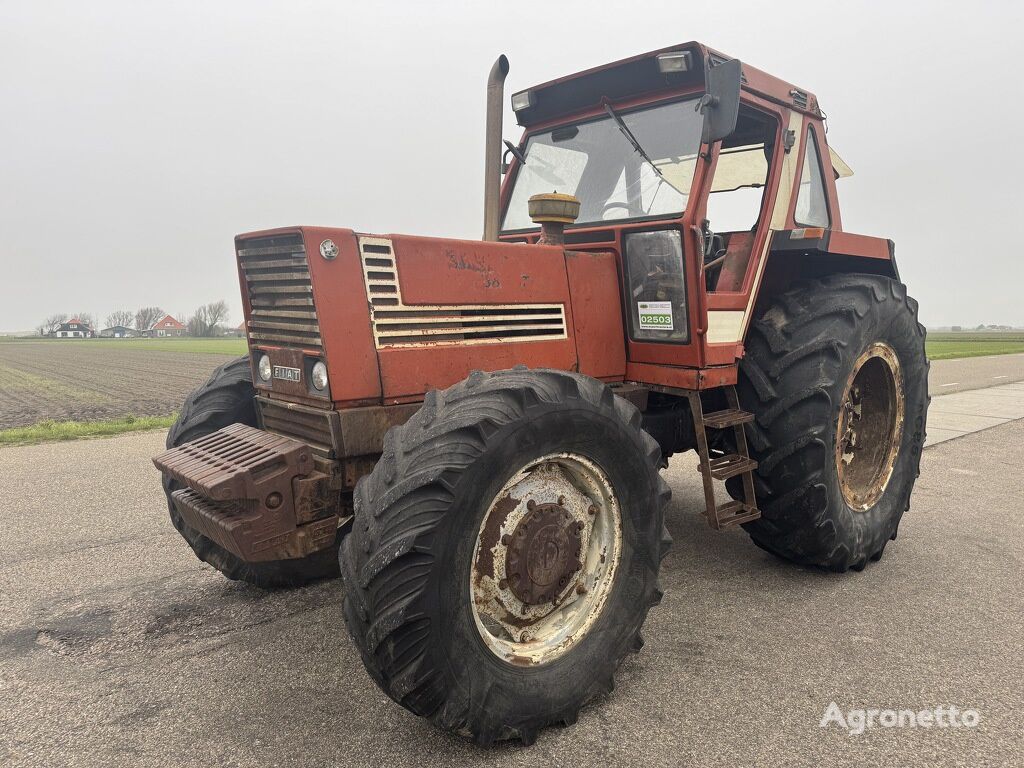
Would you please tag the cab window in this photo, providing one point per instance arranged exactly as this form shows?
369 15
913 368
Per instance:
811 203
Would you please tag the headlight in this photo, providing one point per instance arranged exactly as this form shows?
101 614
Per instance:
319 376
263 368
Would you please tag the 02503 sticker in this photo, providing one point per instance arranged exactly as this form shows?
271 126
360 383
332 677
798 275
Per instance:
655 315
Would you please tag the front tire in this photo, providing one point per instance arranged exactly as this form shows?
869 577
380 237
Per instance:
439 498
836 374
228 397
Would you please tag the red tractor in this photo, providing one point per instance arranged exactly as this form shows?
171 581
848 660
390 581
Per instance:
475 429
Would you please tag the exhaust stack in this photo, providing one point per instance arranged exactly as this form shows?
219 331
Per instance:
492 146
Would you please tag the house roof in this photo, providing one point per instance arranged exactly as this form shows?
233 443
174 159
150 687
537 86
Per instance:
74 321
166 322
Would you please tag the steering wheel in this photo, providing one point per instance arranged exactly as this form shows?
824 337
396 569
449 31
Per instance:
612 205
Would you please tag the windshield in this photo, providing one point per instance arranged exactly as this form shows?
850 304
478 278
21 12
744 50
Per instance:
597 162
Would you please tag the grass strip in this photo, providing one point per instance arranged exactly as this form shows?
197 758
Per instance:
51 431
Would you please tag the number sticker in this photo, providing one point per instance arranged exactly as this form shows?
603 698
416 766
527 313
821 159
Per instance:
655 315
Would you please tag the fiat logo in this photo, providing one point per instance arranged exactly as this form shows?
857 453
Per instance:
328 249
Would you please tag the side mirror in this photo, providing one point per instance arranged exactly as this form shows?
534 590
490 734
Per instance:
720 105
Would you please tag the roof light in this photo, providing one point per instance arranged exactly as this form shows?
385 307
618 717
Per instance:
522 100
676 61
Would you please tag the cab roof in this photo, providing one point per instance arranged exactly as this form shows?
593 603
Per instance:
639 76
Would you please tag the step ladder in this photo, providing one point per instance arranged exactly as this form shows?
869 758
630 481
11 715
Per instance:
723 467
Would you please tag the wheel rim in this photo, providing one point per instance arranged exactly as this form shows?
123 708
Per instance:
545 559
870 427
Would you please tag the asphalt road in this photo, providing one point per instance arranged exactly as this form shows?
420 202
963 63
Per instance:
948 376
117 647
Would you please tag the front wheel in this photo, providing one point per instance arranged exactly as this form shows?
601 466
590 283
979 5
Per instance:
836 375
505 552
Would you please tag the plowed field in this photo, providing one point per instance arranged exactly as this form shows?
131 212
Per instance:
86 380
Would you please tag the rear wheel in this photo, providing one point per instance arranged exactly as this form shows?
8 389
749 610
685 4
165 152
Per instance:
505 551
836 375
229 398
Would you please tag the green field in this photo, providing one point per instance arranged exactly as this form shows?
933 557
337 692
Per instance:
216 346
946 345
49 431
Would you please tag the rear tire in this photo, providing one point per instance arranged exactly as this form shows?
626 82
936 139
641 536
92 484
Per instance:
801 363
228 397
414 545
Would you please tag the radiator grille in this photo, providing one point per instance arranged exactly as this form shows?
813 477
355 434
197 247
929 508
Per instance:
313 426
398 325
280 293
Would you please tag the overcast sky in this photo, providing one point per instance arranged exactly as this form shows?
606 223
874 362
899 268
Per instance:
137 138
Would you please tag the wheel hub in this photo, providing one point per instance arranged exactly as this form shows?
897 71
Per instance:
870 427
545 559
543 554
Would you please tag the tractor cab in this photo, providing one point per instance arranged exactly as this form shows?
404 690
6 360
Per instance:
685 164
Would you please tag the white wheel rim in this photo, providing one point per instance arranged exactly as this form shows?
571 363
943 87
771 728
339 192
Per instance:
569 501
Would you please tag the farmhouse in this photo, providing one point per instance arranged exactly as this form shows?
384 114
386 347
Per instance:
74 329
165 326
117 332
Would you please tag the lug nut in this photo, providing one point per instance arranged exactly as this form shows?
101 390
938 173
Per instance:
592 510
531 504
503 584
561 501
506 539
581 588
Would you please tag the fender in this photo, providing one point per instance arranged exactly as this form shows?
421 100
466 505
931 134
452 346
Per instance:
828 251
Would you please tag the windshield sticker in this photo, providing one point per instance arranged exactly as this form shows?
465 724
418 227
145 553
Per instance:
655 315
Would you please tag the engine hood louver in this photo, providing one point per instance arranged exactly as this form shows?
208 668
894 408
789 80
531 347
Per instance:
397 325
280 293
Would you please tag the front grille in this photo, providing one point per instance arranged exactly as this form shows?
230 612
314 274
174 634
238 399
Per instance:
315 427
396 324
280 293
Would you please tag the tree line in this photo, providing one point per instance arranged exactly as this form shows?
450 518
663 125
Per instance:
205 321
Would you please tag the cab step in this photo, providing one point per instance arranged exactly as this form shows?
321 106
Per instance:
722 467
730 465
730 417
736 513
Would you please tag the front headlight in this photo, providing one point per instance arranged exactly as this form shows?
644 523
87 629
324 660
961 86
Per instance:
263 368
319 376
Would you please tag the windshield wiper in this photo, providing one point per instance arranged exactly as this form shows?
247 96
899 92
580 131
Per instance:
632 140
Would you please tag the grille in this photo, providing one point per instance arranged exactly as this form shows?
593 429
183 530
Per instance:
280 293
398 325
313 426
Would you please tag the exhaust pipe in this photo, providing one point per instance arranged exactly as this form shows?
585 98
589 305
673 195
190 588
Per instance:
492 146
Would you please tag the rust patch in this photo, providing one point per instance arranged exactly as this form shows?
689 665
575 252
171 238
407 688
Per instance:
489 538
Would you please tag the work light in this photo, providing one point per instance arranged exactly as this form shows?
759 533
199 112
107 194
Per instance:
522 100
676 61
